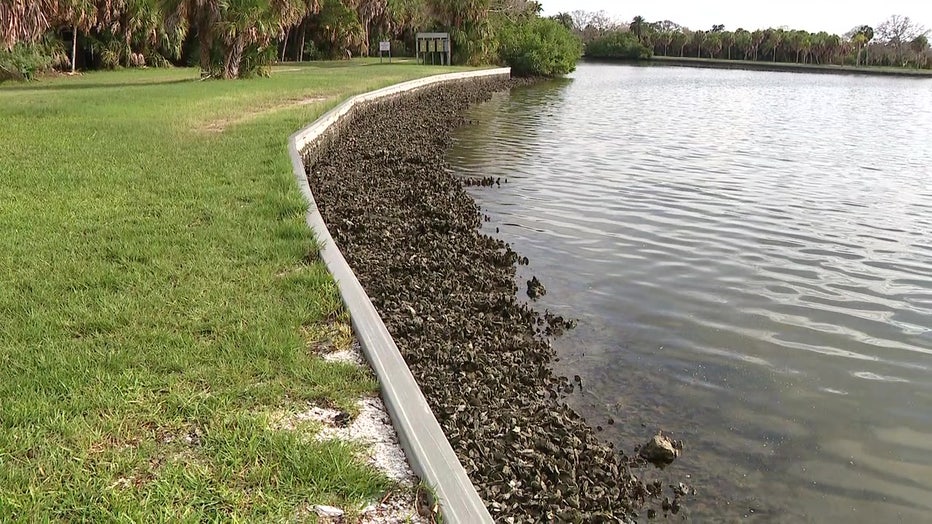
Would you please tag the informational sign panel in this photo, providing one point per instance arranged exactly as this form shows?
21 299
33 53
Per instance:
433 48
385 47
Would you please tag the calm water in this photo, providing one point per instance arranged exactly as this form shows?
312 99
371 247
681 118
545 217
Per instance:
749 256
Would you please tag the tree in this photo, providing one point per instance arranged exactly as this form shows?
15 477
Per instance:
617 44
233 35
665 38
728 41
860 37
743 43
637 26
897 31
469 26
920 45
773 41
565 19
367 11
698 39
757 39
23 21
680 39
713 43
805 45
539 47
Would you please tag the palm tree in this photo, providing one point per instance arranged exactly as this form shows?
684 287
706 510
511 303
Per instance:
757 38
866 34
774 39
368 10
794 42
201 16
565 19
728 40
637 26
24 20
713 43
743 42
681 40
805 45
919 45
666 38
306 9
699 39
230 27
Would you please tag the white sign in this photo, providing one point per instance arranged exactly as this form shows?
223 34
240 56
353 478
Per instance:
385 46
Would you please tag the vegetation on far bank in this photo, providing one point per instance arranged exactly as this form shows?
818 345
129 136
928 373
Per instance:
896 42
239 39
161 302
717 63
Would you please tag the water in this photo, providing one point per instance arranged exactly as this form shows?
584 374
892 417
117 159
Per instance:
749 255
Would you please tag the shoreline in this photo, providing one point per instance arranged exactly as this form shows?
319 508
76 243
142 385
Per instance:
447 294
778 67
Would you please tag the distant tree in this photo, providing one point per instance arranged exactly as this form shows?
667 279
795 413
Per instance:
618 44
665 39
805 45
920 45
698 39
773 41
637 26
713 43
860 37
897 32
667 26
757 39
743 42
565 19
728 42
681 39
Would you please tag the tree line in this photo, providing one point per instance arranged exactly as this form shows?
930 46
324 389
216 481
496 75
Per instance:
895 42
239 38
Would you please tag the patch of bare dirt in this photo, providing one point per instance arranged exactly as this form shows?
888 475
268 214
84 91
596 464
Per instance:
221 125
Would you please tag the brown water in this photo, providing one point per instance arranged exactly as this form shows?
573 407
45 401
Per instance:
749 255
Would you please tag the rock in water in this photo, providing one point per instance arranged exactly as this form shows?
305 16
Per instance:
535 288
661 450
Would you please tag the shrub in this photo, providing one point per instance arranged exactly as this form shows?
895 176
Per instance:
539 47
618 44
25 61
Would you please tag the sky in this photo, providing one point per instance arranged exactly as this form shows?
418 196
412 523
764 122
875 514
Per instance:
834 16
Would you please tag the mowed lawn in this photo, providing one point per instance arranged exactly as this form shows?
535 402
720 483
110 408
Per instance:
161 305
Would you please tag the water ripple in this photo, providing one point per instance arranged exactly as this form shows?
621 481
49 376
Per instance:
770 232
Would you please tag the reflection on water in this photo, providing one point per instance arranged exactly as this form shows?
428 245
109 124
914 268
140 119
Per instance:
749 256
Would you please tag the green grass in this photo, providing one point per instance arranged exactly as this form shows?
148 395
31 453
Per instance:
160 297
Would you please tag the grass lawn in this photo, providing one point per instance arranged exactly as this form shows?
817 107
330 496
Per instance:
160 299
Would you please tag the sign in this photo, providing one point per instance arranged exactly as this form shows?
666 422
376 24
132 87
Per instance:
385 46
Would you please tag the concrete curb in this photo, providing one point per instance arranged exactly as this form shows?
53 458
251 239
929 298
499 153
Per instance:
431 456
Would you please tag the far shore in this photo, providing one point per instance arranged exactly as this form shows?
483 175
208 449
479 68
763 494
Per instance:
786 67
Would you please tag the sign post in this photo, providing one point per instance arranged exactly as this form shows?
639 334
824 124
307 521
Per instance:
385 47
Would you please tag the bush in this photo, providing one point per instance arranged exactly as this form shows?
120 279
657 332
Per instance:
25 61
618 44
539 47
